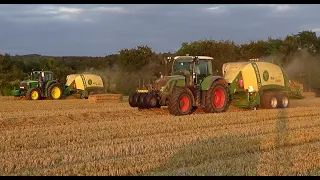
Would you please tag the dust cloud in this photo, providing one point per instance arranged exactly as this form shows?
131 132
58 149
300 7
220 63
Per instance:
117 80
300 66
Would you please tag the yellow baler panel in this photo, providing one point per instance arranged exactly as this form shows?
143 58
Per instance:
70 78
274 77
231 70
249 77
93 80
268 73
79 83
84 81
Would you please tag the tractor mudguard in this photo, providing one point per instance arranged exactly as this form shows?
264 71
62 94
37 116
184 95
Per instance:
48 85
206 83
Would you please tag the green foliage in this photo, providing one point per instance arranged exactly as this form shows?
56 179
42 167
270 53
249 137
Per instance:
298 53
131 60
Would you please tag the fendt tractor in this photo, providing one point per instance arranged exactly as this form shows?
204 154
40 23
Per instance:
192 85
41 84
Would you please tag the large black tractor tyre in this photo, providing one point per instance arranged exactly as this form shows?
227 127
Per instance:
152 101
141 102
55 91
217 98
283 100
269 100
135 99
133 103
33 94
180 102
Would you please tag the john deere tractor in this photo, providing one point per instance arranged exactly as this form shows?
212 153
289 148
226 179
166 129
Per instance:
191 85
41 84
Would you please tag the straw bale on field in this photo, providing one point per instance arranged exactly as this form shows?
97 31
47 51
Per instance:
101 98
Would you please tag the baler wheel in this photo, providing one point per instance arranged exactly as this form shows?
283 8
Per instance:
217 99
269 100
283 100
180 102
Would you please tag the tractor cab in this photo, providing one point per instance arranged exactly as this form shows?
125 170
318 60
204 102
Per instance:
194 67
45 75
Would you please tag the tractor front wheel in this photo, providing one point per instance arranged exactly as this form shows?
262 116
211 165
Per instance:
33 94
180 102
217 99
54 91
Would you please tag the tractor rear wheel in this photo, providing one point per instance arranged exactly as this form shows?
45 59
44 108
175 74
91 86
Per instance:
142 101
33 94
54 91
283 100
180 102
269 100
152 101
217 99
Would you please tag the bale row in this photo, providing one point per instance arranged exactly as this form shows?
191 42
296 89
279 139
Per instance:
309 94
105 98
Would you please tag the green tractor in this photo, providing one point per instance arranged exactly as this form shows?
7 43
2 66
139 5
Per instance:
191 85
40 84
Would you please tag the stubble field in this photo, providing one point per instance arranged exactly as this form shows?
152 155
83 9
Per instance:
76 137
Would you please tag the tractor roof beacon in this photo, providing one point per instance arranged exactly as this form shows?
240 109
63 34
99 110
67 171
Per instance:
190 85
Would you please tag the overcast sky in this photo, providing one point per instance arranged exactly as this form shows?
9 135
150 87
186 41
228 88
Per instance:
97 30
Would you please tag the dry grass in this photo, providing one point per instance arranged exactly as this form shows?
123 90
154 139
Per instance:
75 137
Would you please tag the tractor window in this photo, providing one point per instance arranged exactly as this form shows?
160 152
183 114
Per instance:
48 77
35 76
202 68
179 66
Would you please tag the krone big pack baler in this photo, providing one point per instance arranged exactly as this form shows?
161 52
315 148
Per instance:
84 84
257 84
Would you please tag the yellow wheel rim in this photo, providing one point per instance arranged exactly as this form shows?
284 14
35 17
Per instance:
34 95
56 92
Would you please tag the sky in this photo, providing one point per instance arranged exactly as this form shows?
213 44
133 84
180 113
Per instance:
102 29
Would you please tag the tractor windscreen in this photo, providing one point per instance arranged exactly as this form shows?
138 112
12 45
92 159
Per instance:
35 76
180 66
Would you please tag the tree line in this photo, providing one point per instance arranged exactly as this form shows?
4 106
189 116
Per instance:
297 53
